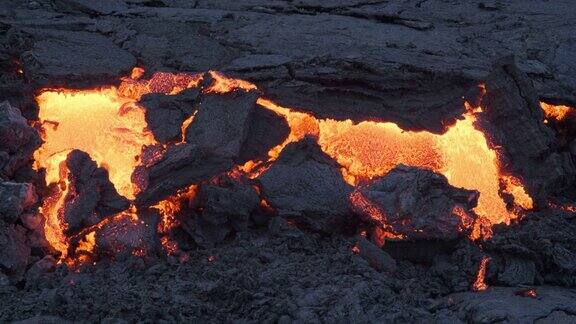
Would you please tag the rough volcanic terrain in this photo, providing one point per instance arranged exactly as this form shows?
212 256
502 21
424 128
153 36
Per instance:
287 161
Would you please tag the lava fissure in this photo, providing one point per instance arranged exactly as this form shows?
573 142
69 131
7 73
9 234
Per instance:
110 125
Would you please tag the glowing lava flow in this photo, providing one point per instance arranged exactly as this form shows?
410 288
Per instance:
556 112
108 124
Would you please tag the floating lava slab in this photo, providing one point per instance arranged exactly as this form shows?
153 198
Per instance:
159 137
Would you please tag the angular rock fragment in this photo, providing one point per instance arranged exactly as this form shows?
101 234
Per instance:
418 204
17 140
14 199
180 166
375 256
542 248
512 116
14 250
128 234
57 57
266 131
90 196
222 122
518 271
221 207
166 114
306 185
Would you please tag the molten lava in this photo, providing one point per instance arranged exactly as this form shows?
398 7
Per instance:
479 282
110 126
556 112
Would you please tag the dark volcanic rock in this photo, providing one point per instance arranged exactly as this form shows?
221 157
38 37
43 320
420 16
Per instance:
128 235
91 196
222 122
59 57
375 256
221 208
542 249
420 204
266 131
165 114
17 140
14 250
305 184
504 304
513 118
180 166
14 199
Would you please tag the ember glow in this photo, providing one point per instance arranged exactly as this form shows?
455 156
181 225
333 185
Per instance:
479 282
109 125
555 112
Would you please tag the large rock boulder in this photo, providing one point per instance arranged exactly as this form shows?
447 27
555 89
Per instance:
417 204
305 184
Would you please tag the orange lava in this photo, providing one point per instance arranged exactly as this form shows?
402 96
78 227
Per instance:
556 112
479 282
110 126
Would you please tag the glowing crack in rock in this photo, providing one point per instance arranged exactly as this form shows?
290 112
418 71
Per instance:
109 125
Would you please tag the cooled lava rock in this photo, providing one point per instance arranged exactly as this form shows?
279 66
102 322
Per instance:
14 199
419 204
541 249
179 166
127 234
165 114
222 122
221 208
375 256
89 57
266 131
90 196
17 140
513 119
305 184
14 250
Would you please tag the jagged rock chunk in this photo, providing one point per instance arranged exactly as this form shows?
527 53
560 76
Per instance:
17 140
420 204
14 251
73 57
305 184
165 114
266 131
222 122
15 198
91 196
221 208
181 165
513 118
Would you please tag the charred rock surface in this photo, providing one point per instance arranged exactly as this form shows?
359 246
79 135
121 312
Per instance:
15 198
420 204
306 185
180 166
17 140
541 250
413 64
91 195
128 235
219 209
14 250
507 304
52 56
266 131
513 118
166 114
222 122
